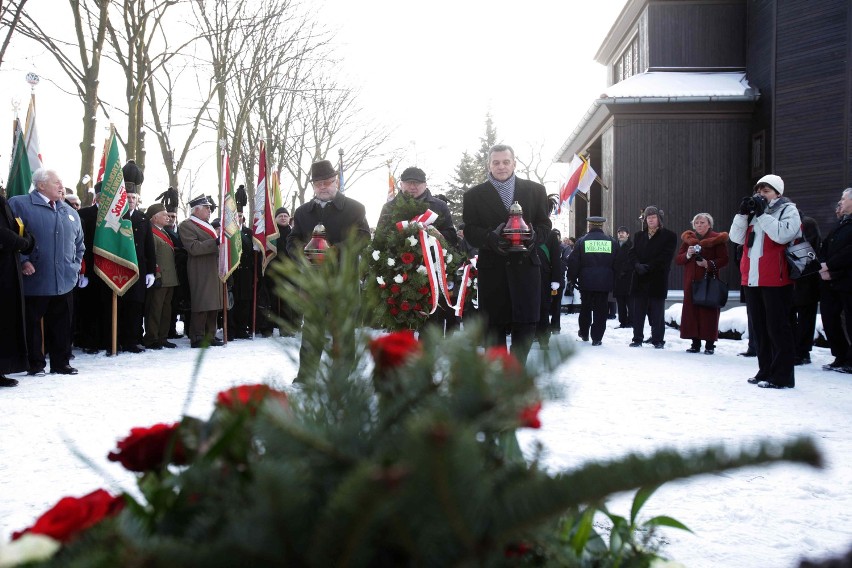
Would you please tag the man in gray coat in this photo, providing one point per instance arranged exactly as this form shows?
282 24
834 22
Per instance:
50 271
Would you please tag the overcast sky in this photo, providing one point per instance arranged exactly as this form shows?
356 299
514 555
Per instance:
430 71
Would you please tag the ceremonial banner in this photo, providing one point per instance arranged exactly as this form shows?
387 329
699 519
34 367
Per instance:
20 177
230 239
114 249
31 137
265 231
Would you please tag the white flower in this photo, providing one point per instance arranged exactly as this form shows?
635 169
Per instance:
412 241
421 269
391 262
376 255
444 251
449 258
29 548
380 280
398 279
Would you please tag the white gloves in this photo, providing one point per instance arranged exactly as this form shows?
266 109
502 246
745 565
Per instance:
554 285
149 280
82 281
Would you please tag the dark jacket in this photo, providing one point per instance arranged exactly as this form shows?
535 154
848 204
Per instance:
591 262
146 256
341 216
656 252
444 223
836 252
550 254
806 289
13 345
622 268
516 274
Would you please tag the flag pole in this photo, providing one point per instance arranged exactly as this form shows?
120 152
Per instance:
340 169
254 256
222 144
114 338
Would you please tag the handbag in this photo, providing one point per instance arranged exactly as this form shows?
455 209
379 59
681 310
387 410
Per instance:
801 259
709 292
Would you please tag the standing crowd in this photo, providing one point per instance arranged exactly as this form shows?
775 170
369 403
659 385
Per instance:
524 270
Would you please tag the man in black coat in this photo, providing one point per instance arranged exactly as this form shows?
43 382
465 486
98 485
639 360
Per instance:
92 298
836 298
552 276
14 240
131 306
591 266
509 282
343 218
280 313
653 249
623 270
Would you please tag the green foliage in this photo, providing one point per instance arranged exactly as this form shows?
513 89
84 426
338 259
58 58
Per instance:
407 465
397 284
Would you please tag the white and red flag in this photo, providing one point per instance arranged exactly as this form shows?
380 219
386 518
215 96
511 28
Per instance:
264 229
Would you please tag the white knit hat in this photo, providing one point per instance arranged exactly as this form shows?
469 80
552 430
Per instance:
773 181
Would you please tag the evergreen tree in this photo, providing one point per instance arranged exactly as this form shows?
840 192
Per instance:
471 170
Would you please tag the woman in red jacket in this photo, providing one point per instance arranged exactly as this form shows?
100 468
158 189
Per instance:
701 251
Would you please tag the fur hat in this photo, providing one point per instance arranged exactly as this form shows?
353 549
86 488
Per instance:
773 181
133 177
652 210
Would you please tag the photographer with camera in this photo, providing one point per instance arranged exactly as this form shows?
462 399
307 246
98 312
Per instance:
764 225
702 251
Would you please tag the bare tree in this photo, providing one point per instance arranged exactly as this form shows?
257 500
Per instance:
134 50
10 15
90 23
535 167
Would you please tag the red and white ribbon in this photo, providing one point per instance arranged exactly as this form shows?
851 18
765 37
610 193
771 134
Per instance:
433 260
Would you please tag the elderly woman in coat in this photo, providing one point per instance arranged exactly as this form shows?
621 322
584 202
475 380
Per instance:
702 251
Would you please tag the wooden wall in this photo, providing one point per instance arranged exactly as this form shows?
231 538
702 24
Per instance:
697 34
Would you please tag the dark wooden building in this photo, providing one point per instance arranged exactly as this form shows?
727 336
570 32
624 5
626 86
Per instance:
705 97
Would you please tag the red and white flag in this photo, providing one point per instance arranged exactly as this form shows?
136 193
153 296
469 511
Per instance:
265 231
580 178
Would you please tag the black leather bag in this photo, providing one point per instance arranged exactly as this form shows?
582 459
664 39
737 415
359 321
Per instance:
709 292
801 259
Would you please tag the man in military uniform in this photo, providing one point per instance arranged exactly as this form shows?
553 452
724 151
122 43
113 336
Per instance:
202 246
591 266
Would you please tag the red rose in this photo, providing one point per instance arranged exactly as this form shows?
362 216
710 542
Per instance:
417 307
394 311
395 289
391 301
510 364
404 277
529 416
423 290
148 448
407 258
392 350
405 306
73 515
250 396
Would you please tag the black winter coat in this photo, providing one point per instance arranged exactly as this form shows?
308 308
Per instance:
444 223
806 290
13 345
341 216
550 254
515 274
591 262
836 252
146 257
657 252
623 269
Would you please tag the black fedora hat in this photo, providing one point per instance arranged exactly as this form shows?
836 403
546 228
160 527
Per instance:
322 170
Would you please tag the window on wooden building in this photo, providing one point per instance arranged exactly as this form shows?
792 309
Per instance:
627 63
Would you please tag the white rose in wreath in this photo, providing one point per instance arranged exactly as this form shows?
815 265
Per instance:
398 279
376 255
412 241
380 280
449 258
421 269
391 262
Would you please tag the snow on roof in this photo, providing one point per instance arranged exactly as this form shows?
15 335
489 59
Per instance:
668 84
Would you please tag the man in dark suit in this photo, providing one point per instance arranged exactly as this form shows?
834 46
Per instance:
509 282
343 218
131 306
653 249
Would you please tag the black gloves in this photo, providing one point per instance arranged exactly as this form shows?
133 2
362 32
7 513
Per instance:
745 206
641 269
495 240
530 241
759 205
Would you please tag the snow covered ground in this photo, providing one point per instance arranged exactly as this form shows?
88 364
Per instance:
57 430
